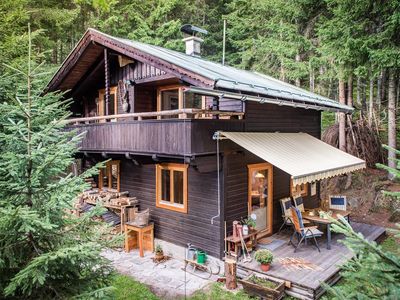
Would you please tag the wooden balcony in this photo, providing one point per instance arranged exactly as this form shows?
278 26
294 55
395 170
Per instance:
175 132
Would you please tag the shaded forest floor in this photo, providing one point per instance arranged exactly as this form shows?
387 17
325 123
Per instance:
365 196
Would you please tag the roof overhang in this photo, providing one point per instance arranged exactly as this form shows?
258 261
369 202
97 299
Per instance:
296 102
305 158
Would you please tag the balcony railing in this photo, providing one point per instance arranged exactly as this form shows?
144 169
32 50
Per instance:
187 113
173 132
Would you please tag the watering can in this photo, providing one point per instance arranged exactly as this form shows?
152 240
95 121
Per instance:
201 257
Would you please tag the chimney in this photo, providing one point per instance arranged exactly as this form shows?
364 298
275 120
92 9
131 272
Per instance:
192 41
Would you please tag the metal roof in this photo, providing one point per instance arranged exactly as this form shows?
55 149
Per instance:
304 157
230 78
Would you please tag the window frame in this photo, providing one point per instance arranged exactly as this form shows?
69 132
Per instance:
172 167
108 167
298 190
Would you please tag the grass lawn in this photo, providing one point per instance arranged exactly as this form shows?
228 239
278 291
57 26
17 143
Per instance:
126 288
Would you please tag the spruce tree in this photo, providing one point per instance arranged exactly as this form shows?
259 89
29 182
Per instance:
45 251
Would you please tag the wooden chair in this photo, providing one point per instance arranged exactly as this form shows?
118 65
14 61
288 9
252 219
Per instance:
338 202
303 233
286 204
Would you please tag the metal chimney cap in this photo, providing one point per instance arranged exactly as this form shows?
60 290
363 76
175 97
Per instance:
192 30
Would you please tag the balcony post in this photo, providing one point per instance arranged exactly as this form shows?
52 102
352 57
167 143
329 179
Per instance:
107 80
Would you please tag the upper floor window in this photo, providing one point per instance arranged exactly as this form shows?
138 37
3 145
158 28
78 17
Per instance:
173 97
171 187
112 102
109 176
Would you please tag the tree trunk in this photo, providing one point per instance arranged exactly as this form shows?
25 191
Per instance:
371 109
298 59
342 117
350 91
392 121
358 90
230 274
363 99
312 80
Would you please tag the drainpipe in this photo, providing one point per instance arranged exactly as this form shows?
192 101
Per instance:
219 182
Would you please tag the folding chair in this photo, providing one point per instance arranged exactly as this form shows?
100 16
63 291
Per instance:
298 203
286 204
303 233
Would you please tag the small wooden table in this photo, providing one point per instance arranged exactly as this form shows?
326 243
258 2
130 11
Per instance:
318 220
235 241
139 237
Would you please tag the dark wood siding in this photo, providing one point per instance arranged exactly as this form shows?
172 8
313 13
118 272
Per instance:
179 228
271 118
265 118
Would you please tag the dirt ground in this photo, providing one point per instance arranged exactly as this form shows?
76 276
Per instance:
365 196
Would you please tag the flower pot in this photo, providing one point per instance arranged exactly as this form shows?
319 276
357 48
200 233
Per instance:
159 256
265 267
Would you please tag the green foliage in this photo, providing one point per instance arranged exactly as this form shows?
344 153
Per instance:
373 273
128 289
217 291
46 252
264 256
394 171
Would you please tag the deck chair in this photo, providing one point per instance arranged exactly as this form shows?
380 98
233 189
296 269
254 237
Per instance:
338 202
302 233
298 203
286 204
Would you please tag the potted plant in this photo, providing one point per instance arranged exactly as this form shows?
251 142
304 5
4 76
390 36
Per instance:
159 253
251 224
264 257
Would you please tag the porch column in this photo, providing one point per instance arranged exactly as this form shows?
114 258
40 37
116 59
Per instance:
107 80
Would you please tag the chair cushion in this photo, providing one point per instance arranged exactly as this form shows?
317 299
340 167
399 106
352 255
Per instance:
300 217
312 231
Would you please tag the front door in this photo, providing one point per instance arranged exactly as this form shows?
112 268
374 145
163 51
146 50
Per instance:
260 195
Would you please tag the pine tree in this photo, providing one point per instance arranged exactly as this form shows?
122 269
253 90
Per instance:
45 251
373 273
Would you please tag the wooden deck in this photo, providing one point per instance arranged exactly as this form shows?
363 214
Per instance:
305 283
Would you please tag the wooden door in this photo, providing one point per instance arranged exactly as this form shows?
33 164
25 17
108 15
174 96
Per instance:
260 179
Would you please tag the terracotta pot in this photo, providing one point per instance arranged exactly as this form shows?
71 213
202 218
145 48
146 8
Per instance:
159 256
265 267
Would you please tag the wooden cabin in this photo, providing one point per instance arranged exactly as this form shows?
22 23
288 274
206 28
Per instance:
199 143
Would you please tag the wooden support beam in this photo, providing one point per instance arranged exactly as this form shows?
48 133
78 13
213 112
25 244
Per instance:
107 80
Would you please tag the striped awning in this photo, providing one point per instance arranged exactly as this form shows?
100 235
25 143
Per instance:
304 157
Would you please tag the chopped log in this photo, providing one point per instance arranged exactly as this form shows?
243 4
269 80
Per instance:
230 274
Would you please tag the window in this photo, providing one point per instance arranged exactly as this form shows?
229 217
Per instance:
109 176
172 97
171 187
301 189
112 102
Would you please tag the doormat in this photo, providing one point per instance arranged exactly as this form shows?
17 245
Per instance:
275 244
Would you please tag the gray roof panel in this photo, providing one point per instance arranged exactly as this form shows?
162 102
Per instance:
231 78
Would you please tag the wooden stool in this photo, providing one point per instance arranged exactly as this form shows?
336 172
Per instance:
139 237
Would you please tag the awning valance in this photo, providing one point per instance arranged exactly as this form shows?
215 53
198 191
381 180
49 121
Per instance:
304 157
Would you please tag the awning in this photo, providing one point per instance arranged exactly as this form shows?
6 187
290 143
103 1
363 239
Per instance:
304 157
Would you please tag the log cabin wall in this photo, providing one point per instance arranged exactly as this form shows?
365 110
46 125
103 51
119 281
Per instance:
274 118
175 227
265 118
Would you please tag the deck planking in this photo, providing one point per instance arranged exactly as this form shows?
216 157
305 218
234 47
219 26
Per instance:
306 284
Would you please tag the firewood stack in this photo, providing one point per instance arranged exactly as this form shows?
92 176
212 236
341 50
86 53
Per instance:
108 197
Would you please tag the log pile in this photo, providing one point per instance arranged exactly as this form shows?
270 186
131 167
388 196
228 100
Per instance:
108 197
362 140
